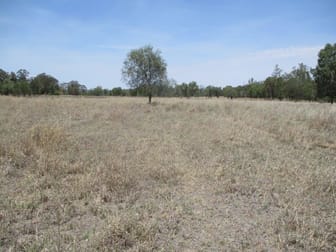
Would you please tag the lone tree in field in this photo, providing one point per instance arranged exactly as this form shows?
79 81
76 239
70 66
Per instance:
144 68
325 72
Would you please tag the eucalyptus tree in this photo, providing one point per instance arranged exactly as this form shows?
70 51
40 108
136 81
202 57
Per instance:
325 72
144 68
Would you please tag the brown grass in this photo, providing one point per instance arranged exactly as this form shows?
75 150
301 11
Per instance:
114 174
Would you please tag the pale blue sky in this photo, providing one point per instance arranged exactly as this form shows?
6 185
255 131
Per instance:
212 42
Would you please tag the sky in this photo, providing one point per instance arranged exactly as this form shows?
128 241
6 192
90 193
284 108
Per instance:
212 42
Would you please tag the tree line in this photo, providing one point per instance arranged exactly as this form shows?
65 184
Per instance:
296 85
20 84
301 83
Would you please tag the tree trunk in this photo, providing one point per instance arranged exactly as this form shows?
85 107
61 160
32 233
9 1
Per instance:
150 98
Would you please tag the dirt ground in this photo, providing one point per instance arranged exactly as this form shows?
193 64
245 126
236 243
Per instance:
115 174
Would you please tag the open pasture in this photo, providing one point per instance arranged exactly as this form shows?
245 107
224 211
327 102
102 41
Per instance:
114 174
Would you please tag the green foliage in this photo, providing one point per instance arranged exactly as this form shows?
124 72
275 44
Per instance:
193 88
230 92
106 92
144 68
14 84
270 87
299 85
12 77
296 85
325 72
74 88
118 91
190 89
165 88
7 87
256 90
22 74
132 92
45 84
211 91
97 91
274 85
184 89
3 75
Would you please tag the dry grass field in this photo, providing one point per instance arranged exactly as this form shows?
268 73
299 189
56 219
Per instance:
115 174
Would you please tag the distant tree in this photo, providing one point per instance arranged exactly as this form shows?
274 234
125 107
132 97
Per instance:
73 88
22 84
274 84
299 85
22 75
132 92
178 90
269 85
229 92
45 84
144 68
97 91
302 72
165 88
24 87
117 91
14 83
210 91
171 88
255 89
7 87
12 76
277 71
241 91
184 89
82 89
325 72
278 83
3 75
217 91
107 92
193 88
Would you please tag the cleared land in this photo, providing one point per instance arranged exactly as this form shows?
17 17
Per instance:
111 174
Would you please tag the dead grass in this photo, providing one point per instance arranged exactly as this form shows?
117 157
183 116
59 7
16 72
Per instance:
115 174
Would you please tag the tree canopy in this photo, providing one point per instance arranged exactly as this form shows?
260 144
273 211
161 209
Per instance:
144 68
44 84
325 72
